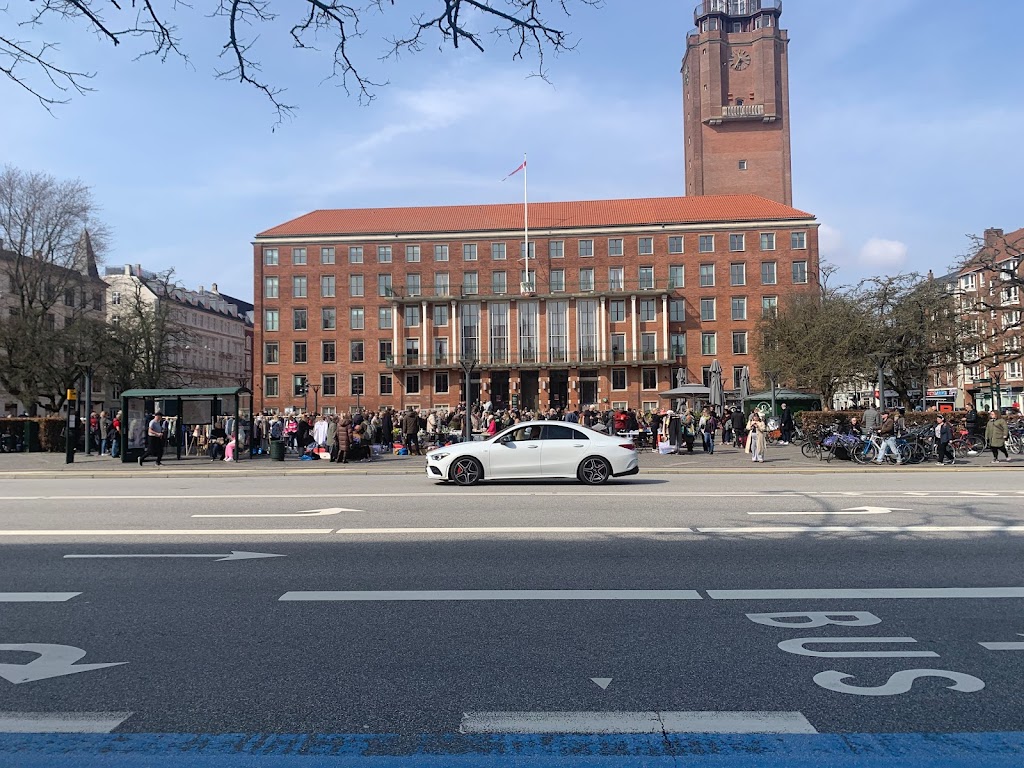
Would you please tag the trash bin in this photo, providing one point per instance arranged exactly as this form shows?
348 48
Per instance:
277 450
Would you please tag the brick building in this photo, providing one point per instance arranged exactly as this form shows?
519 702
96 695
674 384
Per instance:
381 306
617 300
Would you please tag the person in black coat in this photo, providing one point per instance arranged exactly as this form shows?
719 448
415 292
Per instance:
388 428
786 424
971 420
944 436
739 428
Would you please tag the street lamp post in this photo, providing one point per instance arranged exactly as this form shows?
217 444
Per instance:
773 377
880 359
468 363
316 397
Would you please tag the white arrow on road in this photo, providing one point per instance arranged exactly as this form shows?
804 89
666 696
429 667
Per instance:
219 557
601 682
53 661
307 513
848 511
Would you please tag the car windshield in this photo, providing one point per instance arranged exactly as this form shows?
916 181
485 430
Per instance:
520 434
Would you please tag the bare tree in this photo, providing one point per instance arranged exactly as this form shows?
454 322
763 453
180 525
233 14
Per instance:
49 284
30 58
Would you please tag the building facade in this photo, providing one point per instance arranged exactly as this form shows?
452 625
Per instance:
212 344
989 291
617 300
736 101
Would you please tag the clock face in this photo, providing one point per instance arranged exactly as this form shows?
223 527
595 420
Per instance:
740 60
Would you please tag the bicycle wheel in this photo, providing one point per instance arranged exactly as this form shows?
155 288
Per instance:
811 450
917 453
1014 444
976 444
864 452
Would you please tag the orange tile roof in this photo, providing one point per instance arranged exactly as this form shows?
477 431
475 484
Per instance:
509 216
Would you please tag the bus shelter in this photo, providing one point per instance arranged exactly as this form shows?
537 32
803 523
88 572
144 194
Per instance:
183 410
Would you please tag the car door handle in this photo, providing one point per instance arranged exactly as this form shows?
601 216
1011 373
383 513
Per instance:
533 446
577 445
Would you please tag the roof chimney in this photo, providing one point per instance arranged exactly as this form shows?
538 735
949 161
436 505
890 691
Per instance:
128 270
991 235
202 290
213 288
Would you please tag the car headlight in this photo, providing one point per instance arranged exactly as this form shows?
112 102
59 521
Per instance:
438 456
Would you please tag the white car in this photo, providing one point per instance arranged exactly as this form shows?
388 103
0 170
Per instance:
535 449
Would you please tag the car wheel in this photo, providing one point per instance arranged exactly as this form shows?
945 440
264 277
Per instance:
594 470
466 471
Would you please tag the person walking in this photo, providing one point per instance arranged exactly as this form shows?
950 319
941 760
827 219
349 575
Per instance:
870 420
739 425
944 436
971 420
756 437
154 439
786 424
411 431
115 436
996 432
887 431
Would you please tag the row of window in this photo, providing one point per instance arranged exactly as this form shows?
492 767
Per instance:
412 315
556 249
556 280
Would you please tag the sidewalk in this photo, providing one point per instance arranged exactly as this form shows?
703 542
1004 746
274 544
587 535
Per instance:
780 459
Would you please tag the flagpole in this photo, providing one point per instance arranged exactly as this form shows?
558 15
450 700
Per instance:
526 219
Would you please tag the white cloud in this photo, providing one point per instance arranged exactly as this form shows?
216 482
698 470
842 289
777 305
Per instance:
888 254
830 240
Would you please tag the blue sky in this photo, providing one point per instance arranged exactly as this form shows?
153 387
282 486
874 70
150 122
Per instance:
906 125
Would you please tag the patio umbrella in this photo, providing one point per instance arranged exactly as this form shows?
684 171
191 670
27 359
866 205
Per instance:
716 397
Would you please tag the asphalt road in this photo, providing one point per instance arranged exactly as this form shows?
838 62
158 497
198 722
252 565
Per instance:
414 612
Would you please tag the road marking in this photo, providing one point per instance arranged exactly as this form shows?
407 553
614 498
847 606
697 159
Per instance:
178 532
848 511
869 529
218 558
61 722
53 661
865 594
37 597
524 529
635 722
496 594
1004 646
601 682
307 513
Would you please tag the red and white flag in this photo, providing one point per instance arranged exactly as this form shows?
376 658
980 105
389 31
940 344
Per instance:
517 170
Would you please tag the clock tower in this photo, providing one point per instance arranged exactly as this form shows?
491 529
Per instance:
736 101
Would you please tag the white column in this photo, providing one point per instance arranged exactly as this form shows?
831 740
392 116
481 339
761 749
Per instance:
425 352
396 349
456 351
602 324
664 324
632 301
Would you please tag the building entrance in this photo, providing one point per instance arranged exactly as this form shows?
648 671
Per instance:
499 389
559 383
529 387
588 388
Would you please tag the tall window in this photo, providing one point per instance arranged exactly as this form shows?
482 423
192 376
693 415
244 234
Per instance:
271 353
440 315
412 253
384 351
328 352
618 379
586 248
469 316
706 244
618 347
767 241
798 240
557 278
648 346
739 307
384 254
327 286
737 242
412 383
645 246
738 274
648 310
769 306
646 278
614 246
385 318
586 325
355 384
412 285
587 279
617 311
271 386
616 278
678 344
768 276
356 351
327 254
384 286
442 284
497 312
556 249
299 256
469 252
271 320
558 331
799 271
440 253
357 318
649 377
387 384
707 310
709 343
675 244
528 331
299 320
498 252
355 254
329 385
299 287
271 288
707 275
299 352
441 383
328 318
676 276
470 283
533 248
677 310
739 342
270 257
499 282
412 316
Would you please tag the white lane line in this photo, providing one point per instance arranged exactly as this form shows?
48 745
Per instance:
307 513
37 597
538 529
819 512
869 529
635 722
61 722
1004 646
866 594
178 532
495 594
